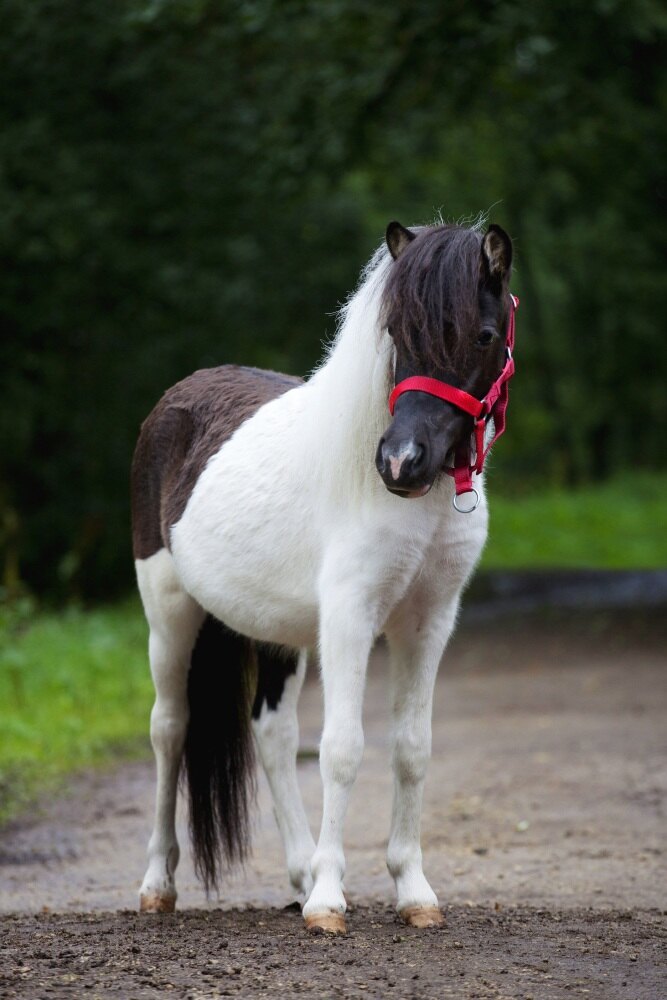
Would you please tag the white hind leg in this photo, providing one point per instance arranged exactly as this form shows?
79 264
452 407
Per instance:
276 730
174 619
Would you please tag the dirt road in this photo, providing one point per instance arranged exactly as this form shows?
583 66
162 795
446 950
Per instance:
544 837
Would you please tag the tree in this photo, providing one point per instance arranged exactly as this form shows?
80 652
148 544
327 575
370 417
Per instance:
189 182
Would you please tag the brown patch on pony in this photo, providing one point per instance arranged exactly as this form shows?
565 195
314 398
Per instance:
430 302
187 427
274 665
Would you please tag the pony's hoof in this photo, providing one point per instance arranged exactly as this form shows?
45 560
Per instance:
422 916
330 923
153 902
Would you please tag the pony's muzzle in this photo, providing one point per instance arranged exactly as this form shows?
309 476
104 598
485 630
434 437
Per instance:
403 467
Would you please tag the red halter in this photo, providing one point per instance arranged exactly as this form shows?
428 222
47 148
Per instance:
493 406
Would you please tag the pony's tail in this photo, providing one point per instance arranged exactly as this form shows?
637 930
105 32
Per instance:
218 759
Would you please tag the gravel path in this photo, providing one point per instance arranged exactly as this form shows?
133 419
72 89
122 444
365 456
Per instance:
544 836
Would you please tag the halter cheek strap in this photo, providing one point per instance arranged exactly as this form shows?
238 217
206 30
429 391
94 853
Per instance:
493 406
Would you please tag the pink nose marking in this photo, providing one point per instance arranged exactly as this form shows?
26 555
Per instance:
397 462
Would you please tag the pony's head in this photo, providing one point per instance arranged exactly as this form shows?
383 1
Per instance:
445 305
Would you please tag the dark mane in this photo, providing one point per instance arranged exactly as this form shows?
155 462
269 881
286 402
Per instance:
430 299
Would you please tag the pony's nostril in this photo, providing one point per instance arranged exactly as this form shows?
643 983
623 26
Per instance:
419 458
413 464
381 458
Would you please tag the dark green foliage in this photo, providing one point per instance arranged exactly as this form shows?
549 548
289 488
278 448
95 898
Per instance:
185 183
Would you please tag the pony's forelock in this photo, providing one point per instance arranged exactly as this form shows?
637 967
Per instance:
430 298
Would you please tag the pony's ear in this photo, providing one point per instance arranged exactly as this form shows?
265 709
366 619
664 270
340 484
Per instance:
398 238
497 255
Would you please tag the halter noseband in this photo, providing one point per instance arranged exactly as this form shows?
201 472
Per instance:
492 407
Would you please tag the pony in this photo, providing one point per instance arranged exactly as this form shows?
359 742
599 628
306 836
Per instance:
270 521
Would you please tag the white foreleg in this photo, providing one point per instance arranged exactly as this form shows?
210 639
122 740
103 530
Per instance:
277 733
346 639
415 653
174 619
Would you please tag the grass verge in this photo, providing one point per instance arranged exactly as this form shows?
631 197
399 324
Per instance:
75 690
618 525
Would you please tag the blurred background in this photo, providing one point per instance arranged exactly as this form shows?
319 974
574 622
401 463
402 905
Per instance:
185 183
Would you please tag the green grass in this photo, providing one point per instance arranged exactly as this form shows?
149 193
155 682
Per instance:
619 525
75 690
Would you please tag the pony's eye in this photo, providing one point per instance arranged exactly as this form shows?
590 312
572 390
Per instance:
485 338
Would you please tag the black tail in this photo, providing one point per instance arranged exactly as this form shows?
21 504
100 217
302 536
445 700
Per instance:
218 761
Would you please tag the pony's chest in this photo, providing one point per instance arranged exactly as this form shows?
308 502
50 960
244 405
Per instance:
425 554
374 560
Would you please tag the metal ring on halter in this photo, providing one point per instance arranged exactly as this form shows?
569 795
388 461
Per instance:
466 510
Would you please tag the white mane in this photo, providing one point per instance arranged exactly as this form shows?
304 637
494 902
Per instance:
354 380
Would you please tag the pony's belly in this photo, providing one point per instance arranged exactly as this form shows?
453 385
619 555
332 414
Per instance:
255 585
276 621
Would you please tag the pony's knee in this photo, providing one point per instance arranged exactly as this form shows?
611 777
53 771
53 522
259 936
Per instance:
411 758
340 756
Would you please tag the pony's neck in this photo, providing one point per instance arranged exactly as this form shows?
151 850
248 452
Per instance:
352 386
